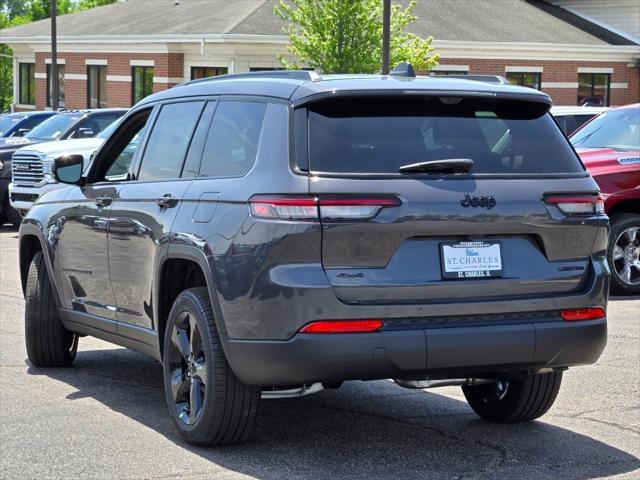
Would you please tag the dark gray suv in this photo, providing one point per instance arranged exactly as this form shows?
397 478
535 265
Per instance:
276 233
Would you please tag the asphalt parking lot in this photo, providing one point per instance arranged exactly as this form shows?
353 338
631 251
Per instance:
105 418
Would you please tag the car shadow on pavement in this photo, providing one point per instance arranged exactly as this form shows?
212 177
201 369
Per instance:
365 430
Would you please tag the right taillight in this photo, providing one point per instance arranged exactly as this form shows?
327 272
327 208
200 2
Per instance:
577 204
578 314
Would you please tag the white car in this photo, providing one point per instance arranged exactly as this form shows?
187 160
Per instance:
571 118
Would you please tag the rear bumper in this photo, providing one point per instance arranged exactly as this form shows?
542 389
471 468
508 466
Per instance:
415 353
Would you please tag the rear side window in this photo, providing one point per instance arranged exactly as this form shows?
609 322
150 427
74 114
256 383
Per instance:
169 140
379 135
232 143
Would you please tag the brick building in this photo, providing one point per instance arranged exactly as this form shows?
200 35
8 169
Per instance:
115 55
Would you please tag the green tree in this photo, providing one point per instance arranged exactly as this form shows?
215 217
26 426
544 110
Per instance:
345 36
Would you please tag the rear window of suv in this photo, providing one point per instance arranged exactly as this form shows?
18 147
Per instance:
378 135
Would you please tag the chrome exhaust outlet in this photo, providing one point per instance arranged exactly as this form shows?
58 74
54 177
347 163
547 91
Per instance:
446 382
301 391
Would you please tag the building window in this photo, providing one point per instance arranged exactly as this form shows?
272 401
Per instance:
60 85
96 86
204 72
142 82
28 83
525 79
593 89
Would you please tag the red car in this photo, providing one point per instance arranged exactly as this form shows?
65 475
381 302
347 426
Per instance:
609 146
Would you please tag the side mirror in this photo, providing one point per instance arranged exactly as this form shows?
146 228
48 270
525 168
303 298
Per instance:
68 169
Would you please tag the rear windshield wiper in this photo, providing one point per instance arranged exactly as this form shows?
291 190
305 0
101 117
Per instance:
450 165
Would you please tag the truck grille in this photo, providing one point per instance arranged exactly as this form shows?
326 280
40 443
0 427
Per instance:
26 169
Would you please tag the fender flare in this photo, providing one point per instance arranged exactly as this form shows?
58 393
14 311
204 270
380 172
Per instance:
31 228
194 254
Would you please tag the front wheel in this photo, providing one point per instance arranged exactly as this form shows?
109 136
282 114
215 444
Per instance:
49 344
207 403
514 400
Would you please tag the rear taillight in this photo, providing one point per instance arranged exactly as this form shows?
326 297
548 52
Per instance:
577 314
577 204
342 326
332 207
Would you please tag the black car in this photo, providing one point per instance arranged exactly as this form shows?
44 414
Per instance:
277 233
18 124
63 125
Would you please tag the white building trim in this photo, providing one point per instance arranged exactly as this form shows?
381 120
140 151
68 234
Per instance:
118 78
142 63
559 85
61 61
450 68
619 85
594 70
96 61
24 106
40 75
168 79
75 76
521 69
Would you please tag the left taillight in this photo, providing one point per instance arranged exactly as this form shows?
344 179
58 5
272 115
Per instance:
330 207
577 204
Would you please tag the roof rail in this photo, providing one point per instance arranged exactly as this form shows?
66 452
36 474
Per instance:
497 79
303 75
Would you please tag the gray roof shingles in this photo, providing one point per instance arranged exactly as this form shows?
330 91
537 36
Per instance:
464 20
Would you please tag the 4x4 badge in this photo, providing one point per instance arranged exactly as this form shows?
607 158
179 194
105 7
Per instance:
487 202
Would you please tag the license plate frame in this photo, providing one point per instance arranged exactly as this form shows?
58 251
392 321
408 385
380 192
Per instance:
493 267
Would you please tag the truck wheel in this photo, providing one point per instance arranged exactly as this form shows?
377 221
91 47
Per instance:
624 254
49 344
514 400
207 403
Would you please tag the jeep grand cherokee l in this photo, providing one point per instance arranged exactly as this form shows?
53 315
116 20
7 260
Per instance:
276 233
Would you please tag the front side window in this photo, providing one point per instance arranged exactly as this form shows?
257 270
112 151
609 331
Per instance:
142 83
27 73
96 86
593 89
378 135
204 72
60 85
169 141
232 143
525 79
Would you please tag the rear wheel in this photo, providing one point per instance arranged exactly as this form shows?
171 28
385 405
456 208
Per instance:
208 404
624 253
49 344
514 400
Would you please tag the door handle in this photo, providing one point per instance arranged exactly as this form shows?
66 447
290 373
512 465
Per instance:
103 201
166 201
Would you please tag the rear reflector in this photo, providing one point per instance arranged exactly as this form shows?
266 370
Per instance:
342 326
326 206
577 314
577 204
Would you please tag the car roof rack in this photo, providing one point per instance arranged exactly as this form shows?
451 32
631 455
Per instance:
497 79
302 75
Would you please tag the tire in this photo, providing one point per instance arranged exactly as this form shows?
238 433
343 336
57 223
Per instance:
13 216
207 403
514 400
49 344
627 254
